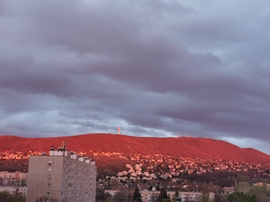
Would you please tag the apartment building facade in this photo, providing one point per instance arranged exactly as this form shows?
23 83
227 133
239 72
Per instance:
62 175
151 196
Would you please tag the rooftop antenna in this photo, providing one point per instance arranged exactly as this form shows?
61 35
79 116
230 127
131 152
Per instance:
64 146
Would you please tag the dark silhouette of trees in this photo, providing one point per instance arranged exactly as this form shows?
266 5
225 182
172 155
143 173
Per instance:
137 197
45 199
262 193
176 195
205 197
163 196
120 197
7 197
241 197
101 196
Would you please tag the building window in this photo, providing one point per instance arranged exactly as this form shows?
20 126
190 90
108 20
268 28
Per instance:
49 185
48 193
50 169
49 177
50 163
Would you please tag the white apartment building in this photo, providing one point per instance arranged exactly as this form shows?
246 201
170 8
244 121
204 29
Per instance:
9 189
22 190
14 190
151 196
63 175
12 178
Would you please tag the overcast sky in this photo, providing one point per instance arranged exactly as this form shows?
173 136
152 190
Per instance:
152 67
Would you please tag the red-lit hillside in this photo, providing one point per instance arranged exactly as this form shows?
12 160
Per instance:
184 146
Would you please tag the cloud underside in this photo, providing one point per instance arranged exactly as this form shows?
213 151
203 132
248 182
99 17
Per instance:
155 68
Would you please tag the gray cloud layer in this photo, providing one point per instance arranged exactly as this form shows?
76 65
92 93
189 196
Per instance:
153 68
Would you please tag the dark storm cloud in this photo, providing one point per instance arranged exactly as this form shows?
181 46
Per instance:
154 68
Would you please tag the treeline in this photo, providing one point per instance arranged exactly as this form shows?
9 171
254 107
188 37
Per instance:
14 165
7 197
221 178
135 196
250 193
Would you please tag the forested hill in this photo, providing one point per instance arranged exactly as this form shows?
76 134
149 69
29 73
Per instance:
204 148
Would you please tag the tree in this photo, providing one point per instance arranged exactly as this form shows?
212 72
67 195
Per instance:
176 195
137 197
241 197
109 200
163 196
208 187
120 197
243 187
23 182
261 192
7 197
101 196
205 197
166 200
45 199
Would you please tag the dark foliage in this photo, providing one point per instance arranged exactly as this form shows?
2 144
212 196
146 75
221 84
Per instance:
137 197
241 197
163 195
7 197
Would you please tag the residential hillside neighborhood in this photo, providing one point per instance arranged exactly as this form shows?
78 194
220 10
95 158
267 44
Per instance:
190 177
168 166
164 166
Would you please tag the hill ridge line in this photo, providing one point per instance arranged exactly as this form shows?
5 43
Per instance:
193 147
